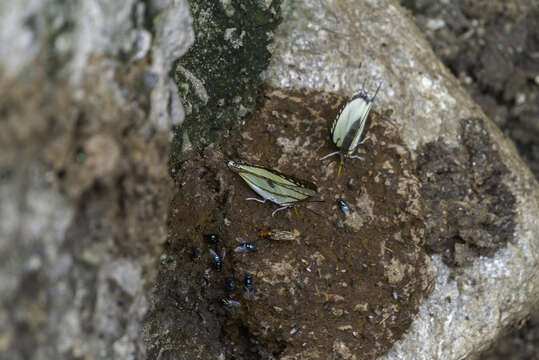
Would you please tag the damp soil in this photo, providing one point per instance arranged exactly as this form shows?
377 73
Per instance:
337 286
469 210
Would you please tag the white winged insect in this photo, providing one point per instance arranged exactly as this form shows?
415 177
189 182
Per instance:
348 127
281 189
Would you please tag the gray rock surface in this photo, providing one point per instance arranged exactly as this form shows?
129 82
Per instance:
84 185
171 41
321 45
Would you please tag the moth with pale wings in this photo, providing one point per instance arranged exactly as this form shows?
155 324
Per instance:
271 185
348 127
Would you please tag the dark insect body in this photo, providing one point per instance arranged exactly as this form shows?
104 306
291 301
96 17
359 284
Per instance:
248 283
211 238
245 246
230 284
228 303
344 207
218 260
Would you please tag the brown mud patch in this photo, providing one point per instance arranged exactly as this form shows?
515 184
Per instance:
345 287
470 211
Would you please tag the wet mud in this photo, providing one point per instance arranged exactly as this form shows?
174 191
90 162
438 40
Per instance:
325 285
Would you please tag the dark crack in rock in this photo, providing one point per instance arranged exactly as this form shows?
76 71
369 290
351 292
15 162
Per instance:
469 210
342 287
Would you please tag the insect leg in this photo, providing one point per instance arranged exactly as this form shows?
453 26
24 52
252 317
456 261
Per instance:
255 199
279 209
329 155
365 139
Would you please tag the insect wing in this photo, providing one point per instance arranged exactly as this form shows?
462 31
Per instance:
240 249
355 132
229 303
232 303
344 207
241 240
276 177
276 187
339 127
217 257
270 190
281 235
348 127
261 172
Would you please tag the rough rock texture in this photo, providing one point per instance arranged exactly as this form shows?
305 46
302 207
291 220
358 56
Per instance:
340 45
218 77
491 47
504 36
320 45
344 285
84 185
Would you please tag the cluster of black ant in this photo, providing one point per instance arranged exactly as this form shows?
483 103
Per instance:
230 283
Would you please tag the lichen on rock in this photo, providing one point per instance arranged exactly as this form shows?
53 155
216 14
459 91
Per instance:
217 78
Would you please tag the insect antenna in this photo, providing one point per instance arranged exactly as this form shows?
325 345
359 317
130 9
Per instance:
376 93
363 86
311 210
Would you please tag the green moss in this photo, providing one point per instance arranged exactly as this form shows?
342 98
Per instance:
229 53
80 157
5 175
